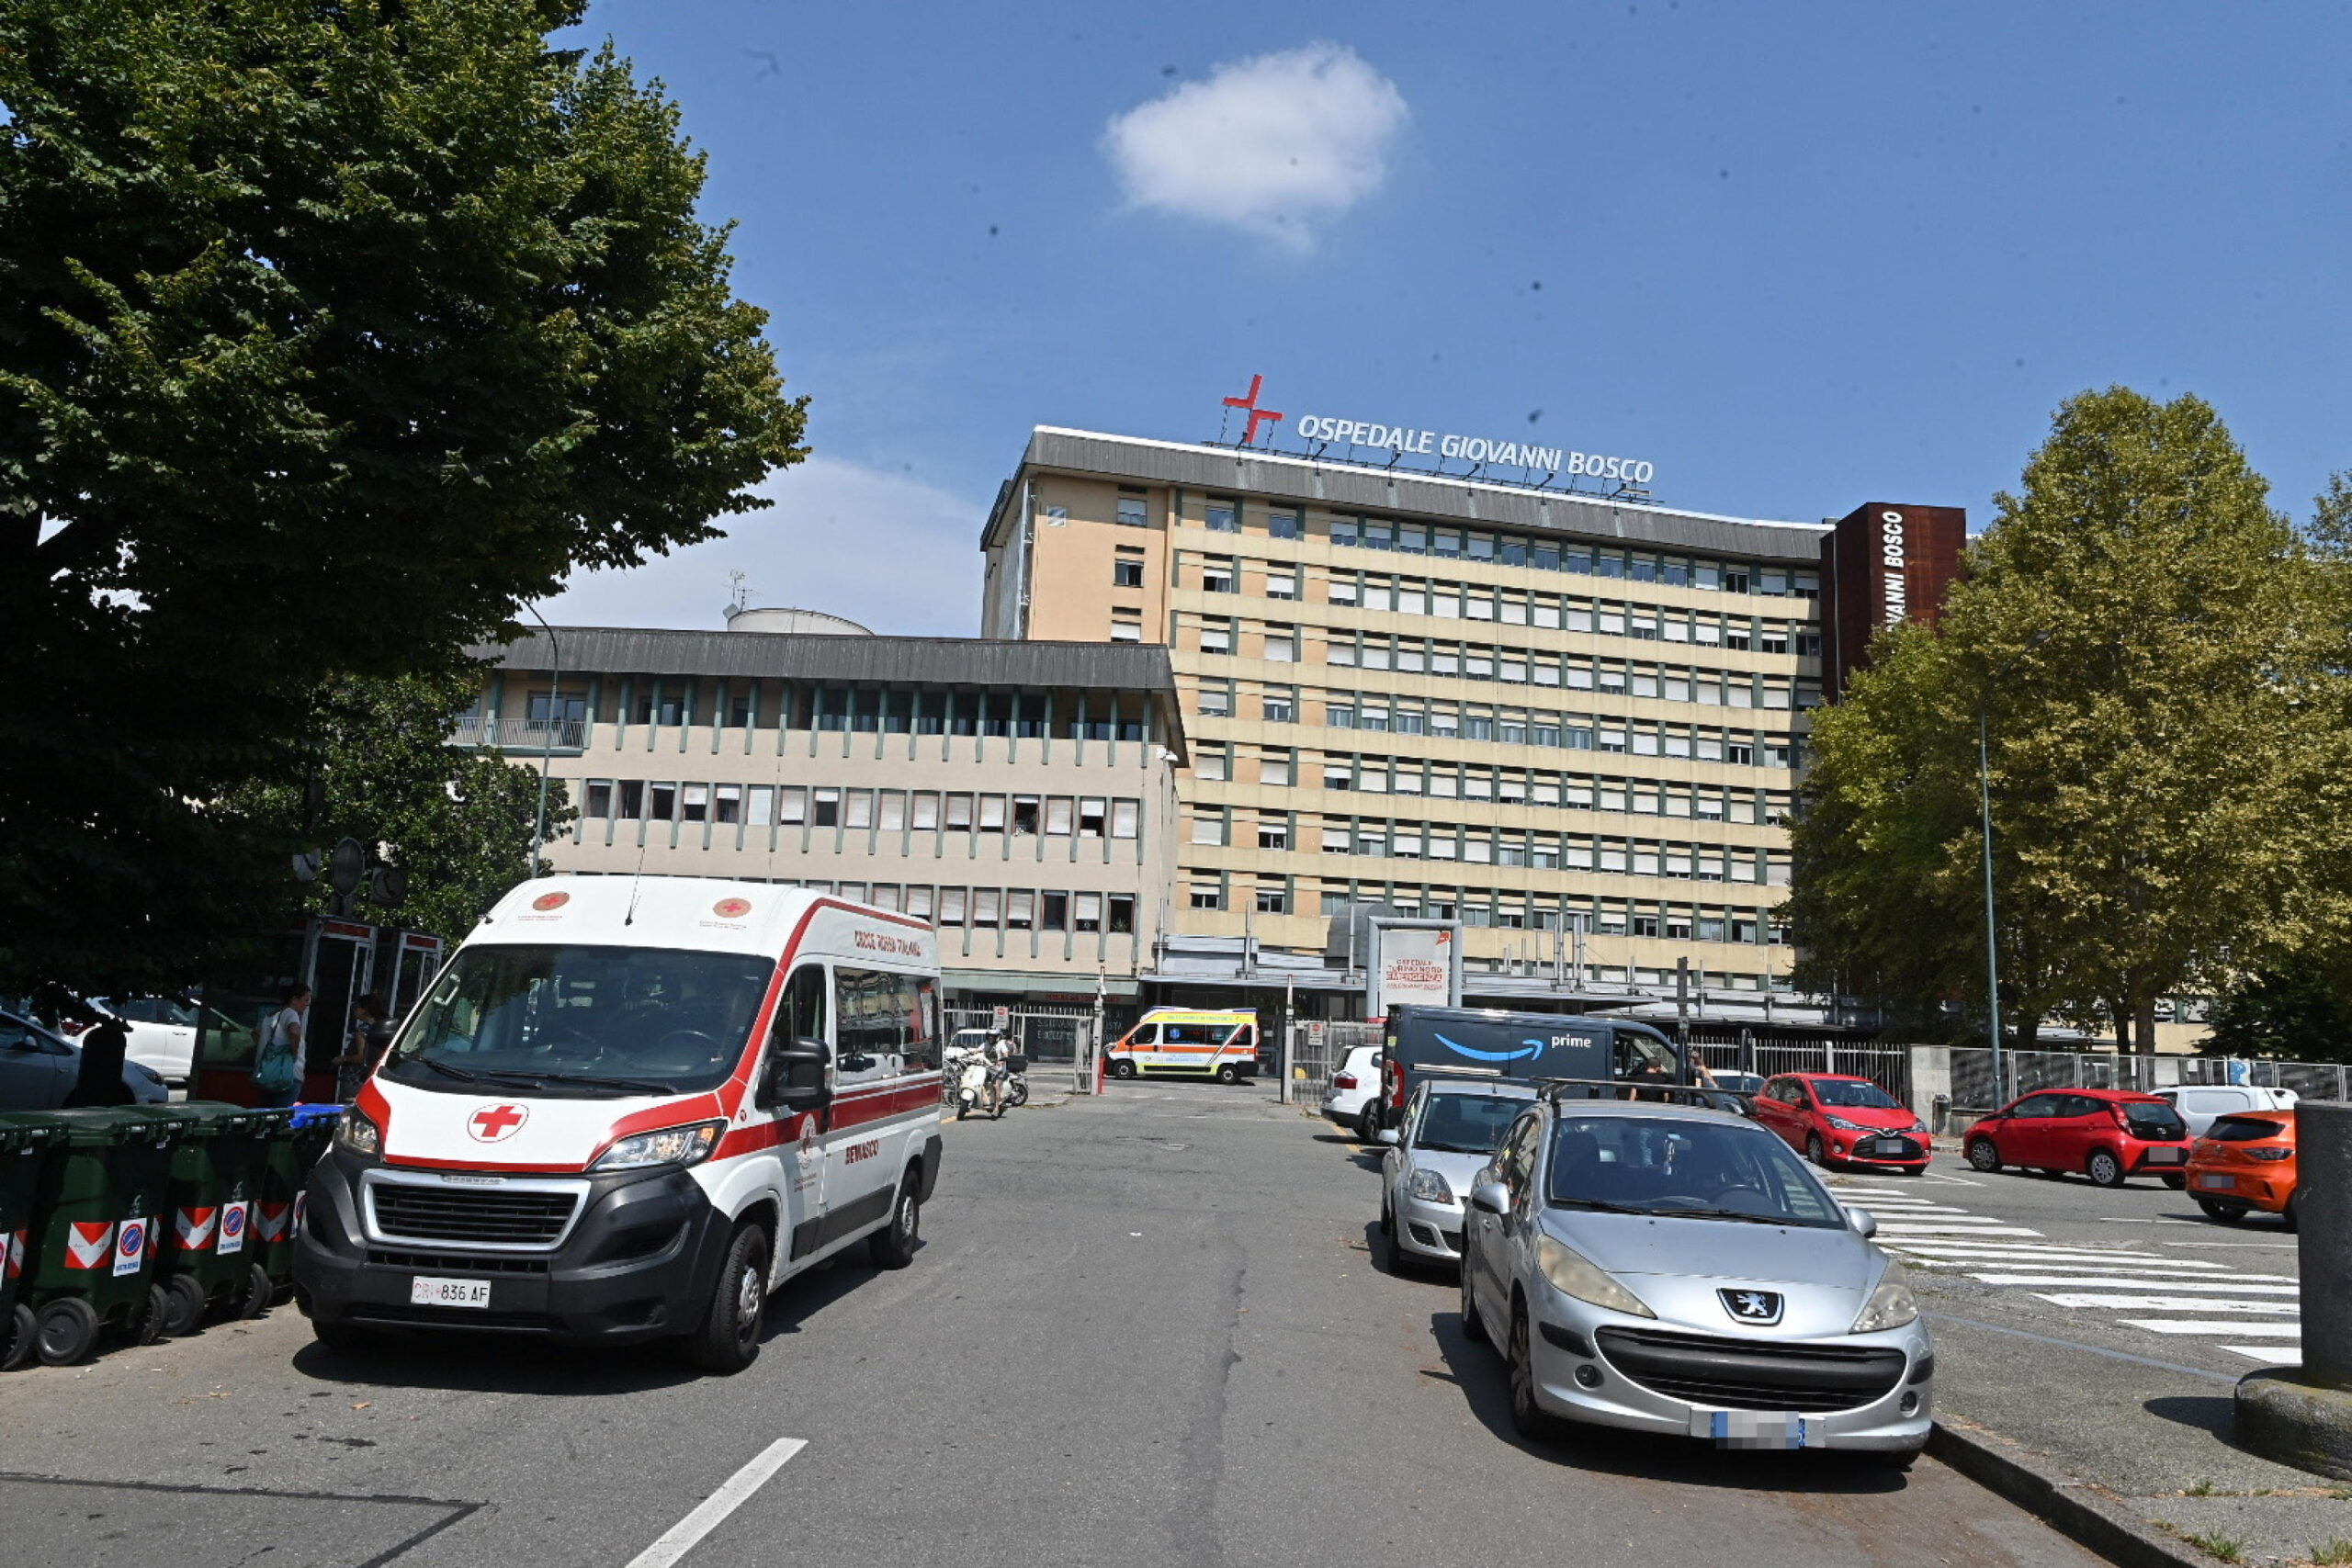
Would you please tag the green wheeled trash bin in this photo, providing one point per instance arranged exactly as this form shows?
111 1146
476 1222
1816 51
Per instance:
99 1201
26 1141
209 1259
294 1147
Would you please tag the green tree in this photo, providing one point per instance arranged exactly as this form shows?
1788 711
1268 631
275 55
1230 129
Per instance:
2299 1013
459 824
329 334
2160 674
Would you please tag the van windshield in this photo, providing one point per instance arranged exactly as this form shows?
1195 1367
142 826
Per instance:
594 1021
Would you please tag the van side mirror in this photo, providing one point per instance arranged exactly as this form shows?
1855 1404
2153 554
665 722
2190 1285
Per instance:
794 1078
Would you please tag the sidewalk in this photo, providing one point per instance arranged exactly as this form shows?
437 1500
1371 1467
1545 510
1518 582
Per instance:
2150 1439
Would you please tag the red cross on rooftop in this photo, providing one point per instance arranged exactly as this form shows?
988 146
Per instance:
1249 436
495 1123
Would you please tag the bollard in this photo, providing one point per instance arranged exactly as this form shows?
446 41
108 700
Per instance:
2302 1416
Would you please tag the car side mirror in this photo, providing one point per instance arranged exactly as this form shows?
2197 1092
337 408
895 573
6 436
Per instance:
1864 1223
794 1078
1492 1197
1385 1135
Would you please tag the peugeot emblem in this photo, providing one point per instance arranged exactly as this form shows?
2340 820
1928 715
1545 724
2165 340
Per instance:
1751 1307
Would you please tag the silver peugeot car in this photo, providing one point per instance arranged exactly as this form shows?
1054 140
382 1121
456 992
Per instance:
1671 1268
1450 1130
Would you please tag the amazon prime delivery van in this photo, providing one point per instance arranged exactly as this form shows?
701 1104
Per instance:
1488 1043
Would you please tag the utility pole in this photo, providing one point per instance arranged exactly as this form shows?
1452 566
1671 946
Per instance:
546 746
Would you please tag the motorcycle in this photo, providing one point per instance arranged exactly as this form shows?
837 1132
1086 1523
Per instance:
966 1075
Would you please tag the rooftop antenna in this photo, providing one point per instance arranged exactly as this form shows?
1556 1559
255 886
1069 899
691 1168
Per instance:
738 598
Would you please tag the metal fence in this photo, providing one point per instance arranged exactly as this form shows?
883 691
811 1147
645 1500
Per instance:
1316 1049
1972 1087
1889 1067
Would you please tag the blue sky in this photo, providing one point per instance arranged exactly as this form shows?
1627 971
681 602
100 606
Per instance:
1800 256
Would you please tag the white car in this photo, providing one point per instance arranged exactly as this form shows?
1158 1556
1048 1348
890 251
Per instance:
163 1034
2201 1105
1352 1097
38 1069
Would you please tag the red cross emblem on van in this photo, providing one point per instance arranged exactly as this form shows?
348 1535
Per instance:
496 1124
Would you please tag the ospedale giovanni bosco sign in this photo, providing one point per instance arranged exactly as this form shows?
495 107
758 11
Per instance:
1411 443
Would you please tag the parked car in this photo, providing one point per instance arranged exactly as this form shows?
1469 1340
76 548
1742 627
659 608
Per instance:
2244 1163
1452 1128
2108 1135
1674 1268
1352 1097
1738 1083
162 1033
2198 1104
40 1067
1837 1118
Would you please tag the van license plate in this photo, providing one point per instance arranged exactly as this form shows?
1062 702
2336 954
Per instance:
425 1291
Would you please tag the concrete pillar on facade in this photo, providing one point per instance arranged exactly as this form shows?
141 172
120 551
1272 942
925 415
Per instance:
2302 1416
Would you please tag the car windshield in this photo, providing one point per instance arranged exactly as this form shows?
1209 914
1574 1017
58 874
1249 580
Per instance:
2152 1119
1854 1092
2246 1129
1693 1168
583 1019
1465 1123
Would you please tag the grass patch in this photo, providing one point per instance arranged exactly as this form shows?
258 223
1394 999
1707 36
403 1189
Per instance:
2330 1552
2197 1489
2228 1548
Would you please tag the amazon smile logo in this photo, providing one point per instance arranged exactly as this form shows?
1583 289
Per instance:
1531 1048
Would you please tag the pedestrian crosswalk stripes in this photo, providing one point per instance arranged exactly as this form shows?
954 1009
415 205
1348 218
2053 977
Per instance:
2256 1316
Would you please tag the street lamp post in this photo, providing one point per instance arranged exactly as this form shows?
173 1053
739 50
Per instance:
546 746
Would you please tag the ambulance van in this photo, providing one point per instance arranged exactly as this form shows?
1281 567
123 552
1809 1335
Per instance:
628 1108
1181 1042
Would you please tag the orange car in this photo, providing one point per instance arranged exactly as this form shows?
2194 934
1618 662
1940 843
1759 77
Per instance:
2245 1161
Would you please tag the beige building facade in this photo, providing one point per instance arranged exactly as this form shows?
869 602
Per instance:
1020 795
1570 723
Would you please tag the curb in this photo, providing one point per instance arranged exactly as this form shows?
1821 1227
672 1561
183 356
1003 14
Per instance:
2078 1509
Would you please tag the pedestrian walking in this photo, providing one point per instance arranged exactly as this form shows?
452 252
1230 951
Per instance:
278 1061
371 1035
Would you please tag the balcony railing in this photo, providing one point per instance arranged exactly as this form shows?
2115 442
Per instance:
524 737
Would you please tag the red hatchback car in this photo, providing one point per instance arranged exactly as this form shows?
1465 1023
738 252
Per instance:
1837 1120
2106 1133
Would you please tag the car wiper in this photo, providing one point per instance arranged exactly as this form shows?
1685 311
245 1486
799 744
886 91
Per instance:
1595 1204
1728 1215
597 1080
1452 1148
444 1068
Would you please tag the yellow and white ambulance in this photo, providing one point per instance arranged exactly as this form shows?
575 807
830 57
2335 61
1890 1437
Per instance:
1220 1043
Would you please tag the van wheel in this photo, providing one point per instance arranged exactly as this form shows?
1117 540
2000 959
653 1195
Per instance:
1368 1122
893 1246
1227 1075
345 1339
1123 1068
730 1337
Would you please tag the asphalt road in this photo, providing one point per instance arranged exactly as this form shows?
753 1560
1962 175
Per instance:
1148 1329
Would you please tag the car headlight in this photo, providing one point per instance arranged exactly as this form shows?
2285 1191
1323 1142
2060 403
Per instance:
356 1133
1573 1274
1891 1305
1844 1126
1427 1186
670 1145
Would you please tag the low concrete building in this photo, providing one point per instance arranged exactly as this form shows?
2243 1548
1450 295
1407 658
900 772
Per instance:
1019 794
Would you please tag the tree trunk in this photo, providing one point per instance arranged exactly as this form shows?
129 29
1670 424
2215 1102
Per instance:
2121 1013
2027 1034
2143 1026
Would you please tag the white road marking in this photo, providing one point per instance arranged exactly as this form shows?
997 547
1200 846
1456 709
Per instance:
2173 1303
2236 1245
2161 1220
2134 1282
1901 1228
680 1538
2272 1355
1940 1247
2217 1325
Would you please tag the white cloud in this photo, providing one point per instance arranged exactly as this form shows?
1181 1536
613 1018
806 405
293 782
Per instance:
1274 144
889 552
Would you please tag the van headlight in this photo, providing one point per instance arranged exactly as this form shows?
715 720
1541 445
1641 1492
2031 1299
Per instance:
1573 1274
356 1133
1891 1305
671 1146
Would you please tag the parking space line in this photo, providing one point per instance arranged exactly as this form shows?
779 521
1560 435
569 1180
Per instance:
2117 1280
680 1538
2170 1304
1942 1249
2269 1354
2217 1325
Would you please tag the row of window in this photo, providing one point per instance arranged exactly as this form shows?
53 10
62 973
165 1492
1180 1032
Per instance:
673 701
1506 727
1006 909
1228 515
1477 844
883 810
1485 908
1508 786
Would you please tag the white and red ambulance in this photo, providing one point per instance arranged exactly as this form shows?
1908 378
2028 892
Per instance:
628 1108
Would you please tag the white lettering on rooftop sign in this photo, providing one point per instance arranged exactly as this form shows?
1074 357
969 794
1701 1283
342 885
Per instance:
1408 442
1891 556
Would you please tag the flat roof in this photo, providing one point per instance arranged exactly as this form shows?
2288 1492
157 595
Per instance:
870 661
1351 486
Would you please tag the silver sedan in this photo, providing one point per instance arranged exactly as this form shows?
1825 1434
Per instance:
1672 1268
1451 1129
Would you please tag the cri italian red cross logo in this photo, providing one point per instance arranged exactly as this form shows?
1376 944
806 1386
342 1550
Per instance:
1257 414
495 1123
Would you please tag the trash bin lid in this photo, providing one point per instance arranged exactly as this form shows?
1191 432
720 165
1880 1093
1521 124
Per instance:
25 1130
